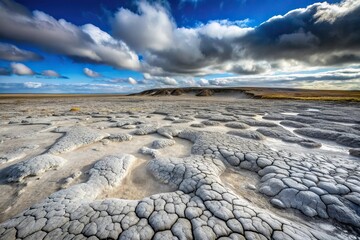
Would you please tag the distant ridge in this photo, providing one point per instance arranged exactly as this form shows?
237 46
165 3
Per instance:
258 92
196 91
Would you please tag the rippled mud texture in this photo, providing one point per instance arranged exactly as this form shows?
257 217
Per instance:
163 168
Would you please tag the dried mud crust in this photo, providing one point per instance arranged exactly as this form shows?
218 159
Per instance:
315 185
201 208
192 201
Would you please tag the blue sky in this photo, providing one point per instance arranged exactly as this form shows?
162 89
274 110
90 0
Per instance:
186 13
128 46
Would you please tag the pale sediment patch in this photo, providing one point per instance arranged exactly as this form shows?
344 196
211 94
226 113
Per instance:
137 184
244 183
18 131
22 196
326 145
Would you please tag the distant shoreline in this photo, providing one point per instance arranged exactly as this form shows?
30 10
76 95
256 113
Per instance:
57 95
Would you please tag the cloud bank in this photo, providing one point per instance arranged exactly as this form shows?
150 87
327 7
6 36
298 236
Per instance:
87 43
21 69
322 35
10 52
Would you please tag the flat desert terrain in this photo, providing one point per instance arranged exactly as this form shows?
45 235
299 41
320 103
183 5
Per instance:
178 167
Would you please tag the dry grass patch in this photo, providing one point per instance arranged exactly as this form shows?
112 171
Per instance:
75 109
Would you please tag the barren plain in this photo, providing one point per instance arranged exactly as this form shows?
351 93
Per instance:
184 167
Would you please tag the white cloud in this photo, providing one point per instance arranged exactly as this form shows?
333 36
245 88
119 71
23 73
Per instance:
164 80
231 46
90 73
332 84
32 84
50 73
132 81
87 43
111 51
151 29
223 29
168 49
21 69
203 82
330 12
345 78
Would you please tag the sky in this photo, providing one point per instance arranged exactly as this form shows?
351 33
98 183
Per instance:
108 46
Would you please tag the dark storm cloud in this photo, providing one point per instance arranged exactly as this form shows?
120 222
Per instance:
10 52
321 34
251 68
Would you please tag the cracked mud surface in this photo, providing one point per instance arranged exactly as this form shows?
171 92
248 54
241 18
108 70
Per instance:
150 168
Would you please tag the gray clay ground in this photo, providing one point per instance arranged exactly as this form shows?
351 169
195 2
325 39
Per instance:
165 168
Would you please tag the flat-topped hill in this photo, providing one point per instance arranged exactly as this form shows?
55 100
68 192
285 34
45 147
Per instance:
253 92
